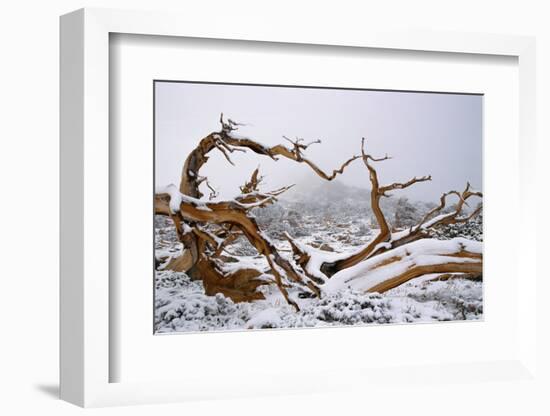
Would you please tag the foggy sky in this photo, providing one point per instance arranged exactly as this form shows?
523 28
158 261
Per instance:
424 133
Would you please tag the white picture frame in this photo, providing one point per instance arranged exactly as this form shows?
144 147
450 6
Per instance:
85 352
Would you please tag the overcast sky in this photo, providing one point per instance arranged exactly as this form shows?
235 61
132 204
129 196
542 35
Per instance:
437 134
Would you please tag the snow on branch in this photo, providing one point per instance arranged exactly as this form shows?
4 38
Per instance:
399 265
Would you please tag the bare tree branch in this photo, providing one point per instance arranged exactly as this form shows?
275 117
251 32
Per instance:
213 192
252 184
398 185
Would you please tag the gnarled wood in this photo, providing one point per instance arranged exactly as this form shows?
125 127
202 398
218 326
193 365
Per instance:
397 266
181 263
239 286
451 267
233 213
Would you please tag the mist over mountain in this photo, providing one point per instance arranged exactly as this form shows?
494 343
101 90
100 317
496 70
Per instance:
328 192
338 196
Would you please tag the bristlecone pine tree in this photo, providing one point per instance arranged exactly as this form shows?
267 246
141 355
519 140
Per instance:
207 228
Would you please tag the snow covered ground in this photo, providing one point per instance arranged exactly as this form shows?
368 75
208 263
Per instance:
181 305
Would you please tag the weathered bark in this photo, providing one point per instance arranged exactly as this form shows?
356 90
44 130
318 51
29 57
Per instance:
466 276
253 184
417 271
397 266
240 285
181 263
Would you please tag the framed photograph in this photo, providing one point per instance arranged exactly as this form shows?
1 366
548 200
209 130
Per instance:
340 193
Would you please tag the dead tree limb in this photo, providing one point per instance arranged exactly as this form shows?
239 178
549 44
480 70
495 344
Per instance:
388 270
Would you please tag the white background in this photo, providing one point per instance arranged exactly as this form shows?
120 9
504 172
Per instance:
29 172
